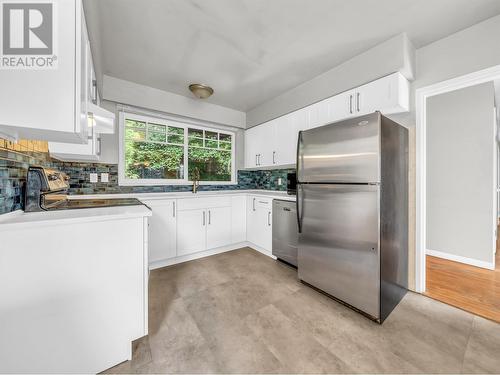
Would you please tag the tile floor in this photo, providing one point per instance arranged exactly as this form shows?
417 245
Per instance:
242 312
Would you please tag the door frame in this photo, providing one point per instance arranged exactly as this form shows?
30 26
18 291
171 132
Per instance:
421 96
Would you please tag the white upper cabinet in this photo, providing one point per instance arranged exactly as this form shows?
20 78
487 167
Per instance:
274 143
91 151
258 146
95 119
286 133
387 95
52 103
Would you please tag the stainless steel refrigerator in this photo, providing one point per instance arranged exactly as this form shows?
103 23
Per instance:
352 212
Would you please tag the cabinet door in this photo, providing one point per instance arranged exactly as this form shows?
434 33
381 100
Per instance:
218 227
319 114
252 147
341 106
264 222
387 95
286 135
252 228
265 143
238 219
191 231
162 230
52 96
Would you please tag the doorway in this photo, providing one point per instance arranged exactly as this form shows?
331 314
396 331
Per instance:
457 186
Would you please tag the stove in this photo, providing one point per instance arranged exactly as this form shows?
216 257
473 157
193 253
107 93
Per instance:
47 190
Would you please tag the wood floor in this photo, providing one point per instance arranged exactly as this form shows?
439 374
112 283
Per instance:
470 288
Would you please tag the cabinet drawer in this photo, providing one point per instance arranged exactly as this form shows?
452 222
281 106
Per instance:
203 202
261 202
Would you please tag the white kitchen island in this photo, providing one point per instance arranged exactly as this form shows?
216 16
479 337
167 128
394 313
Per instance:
74 288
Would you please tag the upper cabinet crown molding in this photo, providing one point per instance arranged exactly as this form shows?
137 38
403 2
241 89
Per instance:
53 104
274 143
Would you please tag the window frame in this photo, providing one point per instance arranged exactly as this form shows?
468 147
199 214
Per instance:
124 181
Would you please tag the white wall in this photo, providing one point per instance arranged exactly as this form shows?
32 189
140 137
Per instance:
395 54
461 152
125 92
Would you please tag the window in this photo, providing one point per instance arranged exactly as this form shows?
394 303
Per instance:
158 152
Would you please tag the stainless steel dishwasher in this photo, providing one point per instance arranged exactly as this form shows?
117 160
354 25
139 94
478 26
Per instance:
285 231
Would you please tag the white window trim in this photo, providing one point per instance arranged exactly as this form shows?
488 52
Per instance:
123 181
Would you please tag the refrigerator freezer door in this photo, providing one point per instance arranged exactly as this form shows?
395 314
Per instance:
339 243
342 152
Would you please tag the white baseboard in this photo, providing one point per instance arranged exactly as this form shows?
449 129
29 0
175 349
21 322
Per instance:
460 259
207 253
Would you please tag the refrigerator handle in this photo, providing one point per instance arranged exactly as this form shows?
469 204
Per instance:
299 201
297 162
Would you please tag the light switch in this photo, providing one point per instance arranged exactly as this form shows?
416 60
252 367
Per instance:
93 178
104 177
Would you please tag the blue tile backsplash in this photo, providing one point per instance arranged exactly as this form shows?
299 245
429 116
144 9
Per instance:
14 165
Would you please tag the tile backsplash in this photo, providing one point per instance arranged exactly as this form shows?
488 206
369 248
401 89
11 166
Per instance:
16 158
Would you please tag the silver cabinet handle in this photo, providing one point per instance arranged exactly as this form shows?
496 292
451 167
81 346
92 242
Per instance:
350 104
254 204
256 159
274 157
357 101
203 218
269 218
209 217
173 209
99 146
94 91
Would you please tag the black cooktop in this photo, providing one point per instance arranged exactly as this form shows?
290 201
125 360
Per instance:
70 204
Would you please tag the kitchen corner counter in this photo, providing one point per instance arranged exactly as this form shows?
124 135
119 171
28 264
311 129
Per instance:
26 219
183 195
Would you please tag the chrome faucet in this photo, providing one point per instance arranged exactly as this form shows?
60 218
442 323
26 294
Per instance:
196 180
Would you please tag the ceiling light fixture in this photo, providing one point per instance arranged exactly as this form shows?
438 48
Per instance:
201 91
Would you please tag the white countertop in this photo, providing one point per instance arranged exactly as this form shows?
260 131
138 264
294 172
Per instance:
16 218
181 195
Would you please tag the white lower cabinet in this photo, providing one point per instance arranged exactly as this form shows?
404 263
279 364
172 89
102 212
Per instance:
203 224
162 229
238 219
191 231
180 227
259 222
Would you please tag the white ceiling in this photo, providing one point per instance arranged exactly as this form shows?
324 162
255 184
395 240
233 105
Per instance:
250 51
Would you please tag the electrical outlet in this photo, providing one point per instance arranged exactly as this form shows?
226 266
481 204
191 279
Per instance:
104 177
93 178
280 181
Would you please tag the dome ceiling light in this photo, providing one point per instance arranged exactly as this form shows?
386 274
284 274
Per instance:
201 91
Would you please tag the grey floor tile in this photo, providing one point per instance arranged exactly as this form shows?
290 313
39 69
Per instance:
483 349
176 332
242 312
428 334
296 349
191 359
